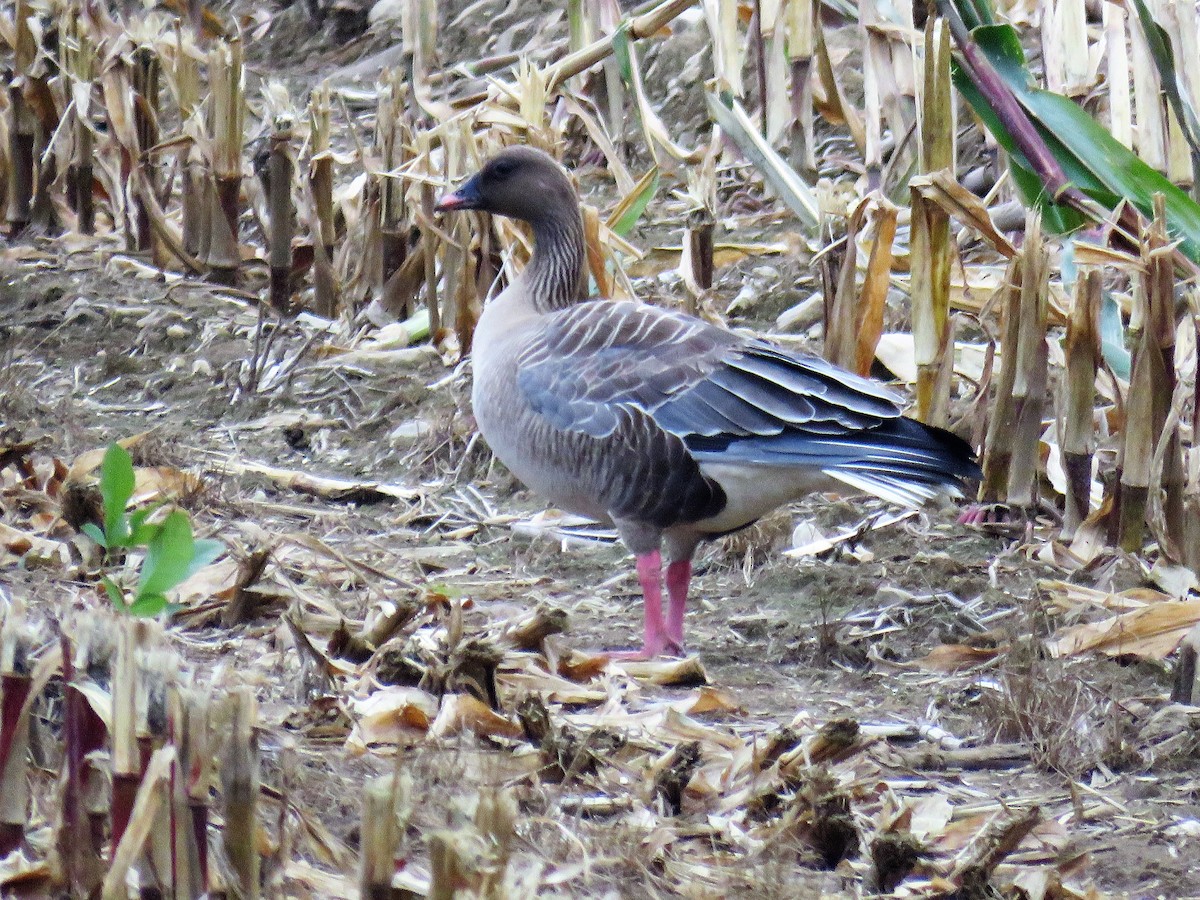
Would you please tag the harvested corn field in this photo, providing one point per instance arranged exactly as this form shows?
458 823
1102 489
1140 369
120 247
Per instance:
302 635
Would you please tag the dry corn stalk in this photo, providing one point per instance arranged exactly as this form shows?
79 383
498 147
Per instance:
872 302
22 125
1148 102
145 80
931 247
152 796
16 679
393 230
239 788
1168 448
580 33
835 106
77 56
775 68
728 45
874 55
1077 430
158 670
647 24
281 173
84 665
1120 102
419 21
226 127
425 250
454 861
696 261
998 443
126 760
1064 46
1029 383
193 184
1190 530
608 19
118 105
801 46
888 79
380 838
194 776
320 183
1151 386
496 821
840 303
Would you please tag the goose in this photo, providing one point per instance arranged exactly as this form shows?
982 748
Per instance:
670 428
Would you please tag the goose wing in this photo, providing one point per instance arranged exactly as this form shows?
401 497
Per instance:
595 367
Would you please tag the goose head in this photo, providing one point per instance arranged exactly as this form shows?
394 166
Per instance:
519 182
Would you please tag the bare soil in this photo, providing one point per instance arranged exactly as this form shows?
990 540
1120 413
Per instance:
92 351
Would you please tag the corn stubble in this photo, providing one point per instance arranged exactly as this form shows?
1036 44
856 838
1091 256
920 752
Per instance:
175 747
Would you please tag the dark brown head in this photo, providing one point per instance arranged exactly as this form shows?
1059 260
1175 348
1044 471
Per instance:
518 182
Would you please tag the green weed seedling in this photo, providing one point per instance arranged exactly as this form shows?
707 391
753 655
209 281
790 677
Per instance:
172 554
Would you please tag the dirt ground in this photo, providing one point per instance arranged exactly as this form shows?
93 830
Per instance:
93 349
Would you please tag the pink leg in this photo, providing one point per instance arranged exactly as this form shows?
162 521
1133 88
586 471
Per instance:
657 636
649 570
679 573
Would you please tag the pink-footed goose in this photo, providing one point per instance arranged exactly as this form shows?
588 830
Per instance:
672 429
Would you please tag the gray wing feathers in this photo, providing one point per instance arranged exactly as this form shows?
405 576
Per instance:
589 360
657 385
694 378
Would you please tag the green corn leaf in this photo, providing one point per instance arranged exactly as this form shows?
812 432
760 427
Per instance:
93 531
204 553
141 534
148 605
168 558
116 487
1057 217
633 204
1098 164
1112 338
620 43
115 594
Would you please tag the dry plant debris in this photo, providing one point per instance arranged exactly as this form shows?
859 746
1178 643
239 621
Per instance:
381 688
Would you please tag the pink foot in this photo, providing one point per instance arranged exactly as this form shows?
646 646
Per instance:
661 637
972 515
667 649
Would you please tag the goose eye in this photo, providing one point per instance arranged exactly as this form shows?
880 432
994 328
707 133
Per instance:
503 169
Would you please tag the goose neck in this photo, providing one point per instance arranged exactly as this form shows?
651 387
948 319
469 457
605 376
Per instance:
556 277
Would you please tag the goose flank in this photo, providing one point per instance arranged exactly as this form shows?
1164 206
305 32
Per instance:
670 428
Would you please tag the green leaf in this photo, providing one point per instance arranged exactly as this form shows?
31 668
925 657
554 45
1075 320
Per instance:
148 606
975 12
1095 161
1112 338
204 552
141 534
115 594
116 487
168 557
631 207
620 43
93 531
1057 217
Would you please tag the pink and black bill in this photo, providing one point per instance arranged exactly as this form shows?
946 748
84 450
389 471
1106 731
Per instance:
466 197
